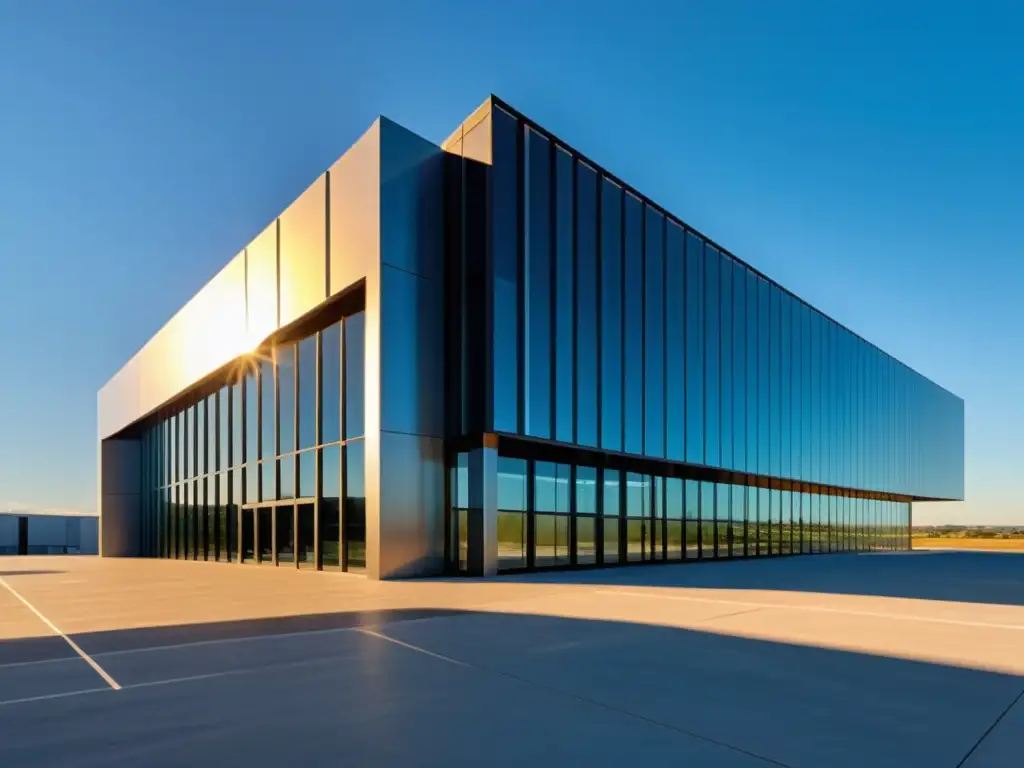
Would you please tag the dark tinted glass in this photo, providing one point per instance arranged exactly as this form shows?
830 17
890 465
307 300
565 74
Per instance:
330 377
537 255
654 333
712 359
633 309
200 438
286 396
355 336
307 474
586 305
268 437
695 345
307 392
504 249
725 351
586 490
675 347
355 505
611 316
565 355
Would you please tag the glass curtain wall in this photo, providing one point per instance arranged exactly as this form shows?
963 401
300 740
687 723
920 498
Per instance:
269 468
616 326
554 515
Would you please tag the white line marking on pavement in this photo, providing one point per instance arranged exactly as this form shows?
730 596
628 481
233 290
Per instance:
85 656
62 659
49 696
412 647
818 608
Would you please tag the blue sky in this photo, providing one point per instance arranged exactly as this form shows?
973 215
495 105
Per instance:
867 155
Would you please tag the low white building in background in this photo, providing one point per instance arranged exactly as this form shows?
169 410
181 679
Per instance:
48 532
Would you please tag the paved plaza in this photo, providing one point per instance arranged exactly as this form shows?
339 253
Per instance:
894 659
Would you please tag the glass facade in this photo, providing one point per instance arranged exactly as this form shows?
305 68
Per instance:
703 411
681 351
259 470
635 392
587 516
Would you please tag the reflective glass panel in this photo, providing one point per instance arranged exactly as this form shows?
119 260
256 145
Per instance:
537 256
330 377
307 392
695 341
634 327
675 346
611 316
586 305
355 334
506 322
286 396
712 359
565 354
654 333
355 505
268 440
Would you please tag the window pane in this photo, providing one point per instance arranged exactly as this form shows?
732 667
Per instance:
224 440
330 377
586 305
765 369
286 485
237 452
654 334
586 545
565 355
268 480
200 439
265 533
285 540
330 532
712 360
537 254
188 438
307 392
707 520
695 344
511 484
511 509
511 540
775 383
355 334
611 316
286 396
252 482
268 443
753 415
726 381
633 310
610 501
248 534
307 474
355 505
586 490
505 263
552 540
675 347
739 369
305 550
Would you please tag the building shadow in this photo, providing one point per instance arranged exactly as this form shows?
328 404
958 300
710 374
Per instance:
30 573
995 578
522 684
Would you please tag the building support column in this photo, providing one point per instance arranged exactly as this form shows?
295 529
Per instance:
482 516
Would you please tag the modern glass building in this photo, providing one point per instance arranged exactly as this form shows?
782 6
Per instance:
494 355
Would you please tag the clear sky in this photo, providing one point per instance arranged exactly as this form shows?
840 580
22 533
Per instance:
867 155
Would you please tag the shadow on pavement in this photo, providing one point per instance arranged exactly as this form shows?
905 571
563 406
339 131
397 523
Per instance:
966 577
